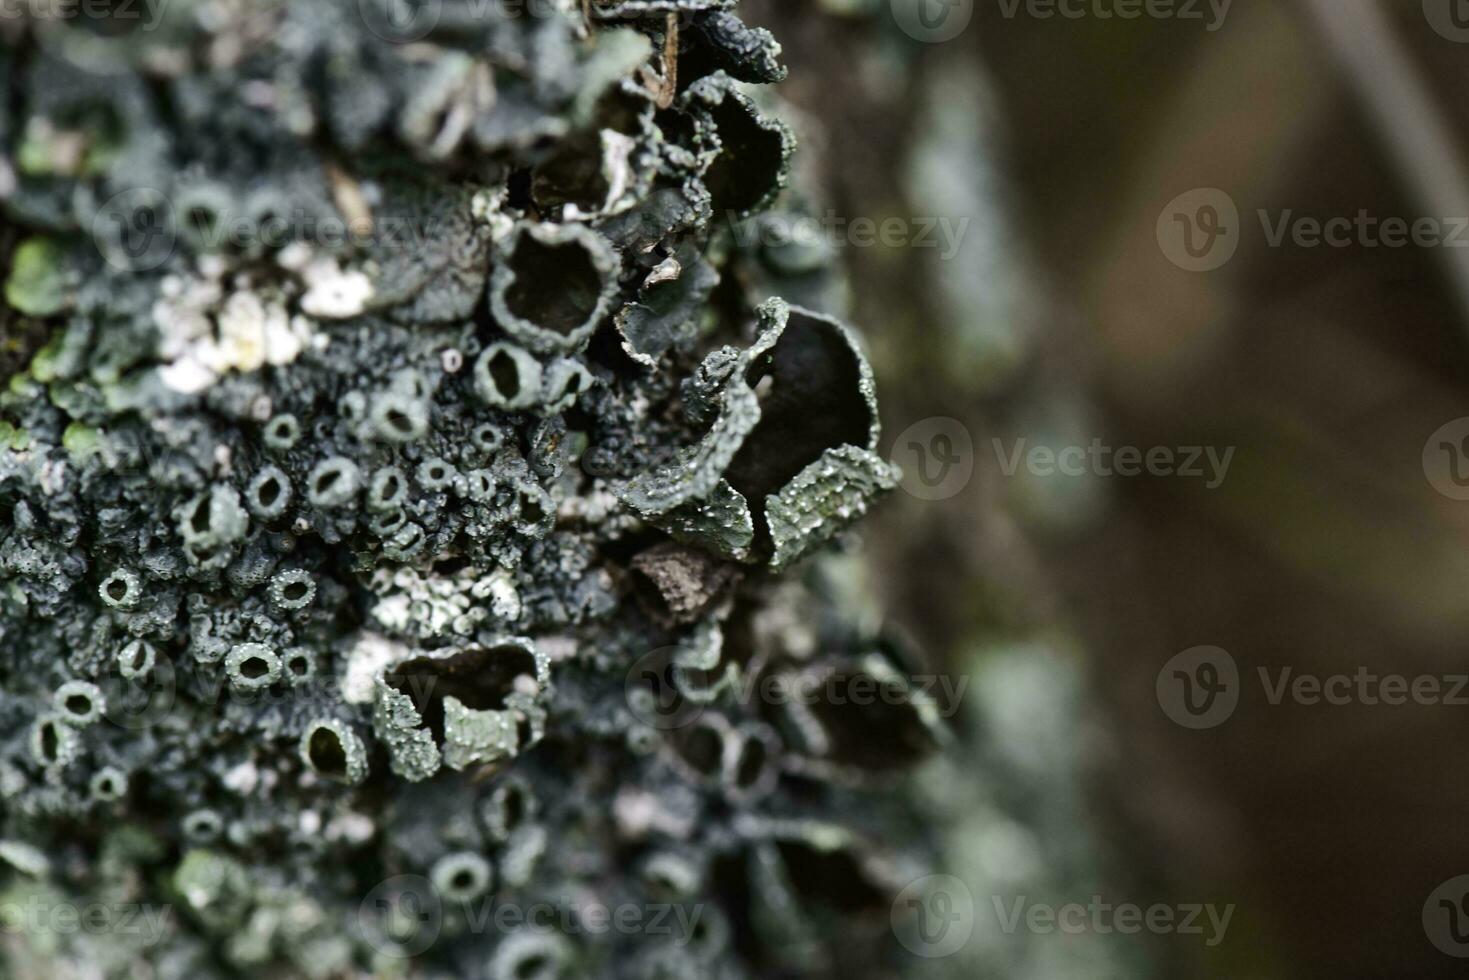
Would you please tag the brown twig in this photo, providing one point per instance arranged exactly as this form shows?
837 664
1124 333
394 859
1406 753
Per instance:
669 86
349 199
1414 129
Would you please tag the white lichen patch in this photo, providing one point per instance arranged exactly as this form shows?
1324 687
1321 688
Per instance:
617 151
558 648
353 828
594 507
431 608
370 654
487 207
205 334
25 858
243 778
246 326
334 293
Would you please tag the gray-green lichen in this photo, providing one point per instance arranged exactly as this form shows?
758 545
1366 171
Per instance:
390 445
790 459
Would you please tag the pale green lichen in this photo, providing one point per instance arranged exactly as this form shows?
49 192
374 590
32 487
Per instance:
39 283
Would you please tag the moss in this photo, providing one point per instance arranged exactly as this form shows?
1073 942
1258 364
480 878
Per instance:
12 437
33 156
81 440
45 365
38 283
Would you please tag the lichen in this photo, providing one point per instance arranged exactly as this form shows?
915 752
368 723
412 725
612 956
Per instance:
383 391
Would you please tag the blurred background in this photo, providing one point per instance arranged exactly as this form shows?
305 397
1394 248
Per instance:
1139 269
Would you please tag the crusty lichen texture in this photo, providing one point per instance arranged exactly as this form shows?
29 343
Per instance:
410 498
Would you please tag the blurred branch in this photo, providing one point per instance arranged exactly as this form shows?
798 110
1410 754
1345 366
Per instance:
1415 133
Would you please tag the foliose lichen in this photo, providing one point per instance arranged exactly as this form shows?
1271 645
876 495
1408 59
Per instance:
395 466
